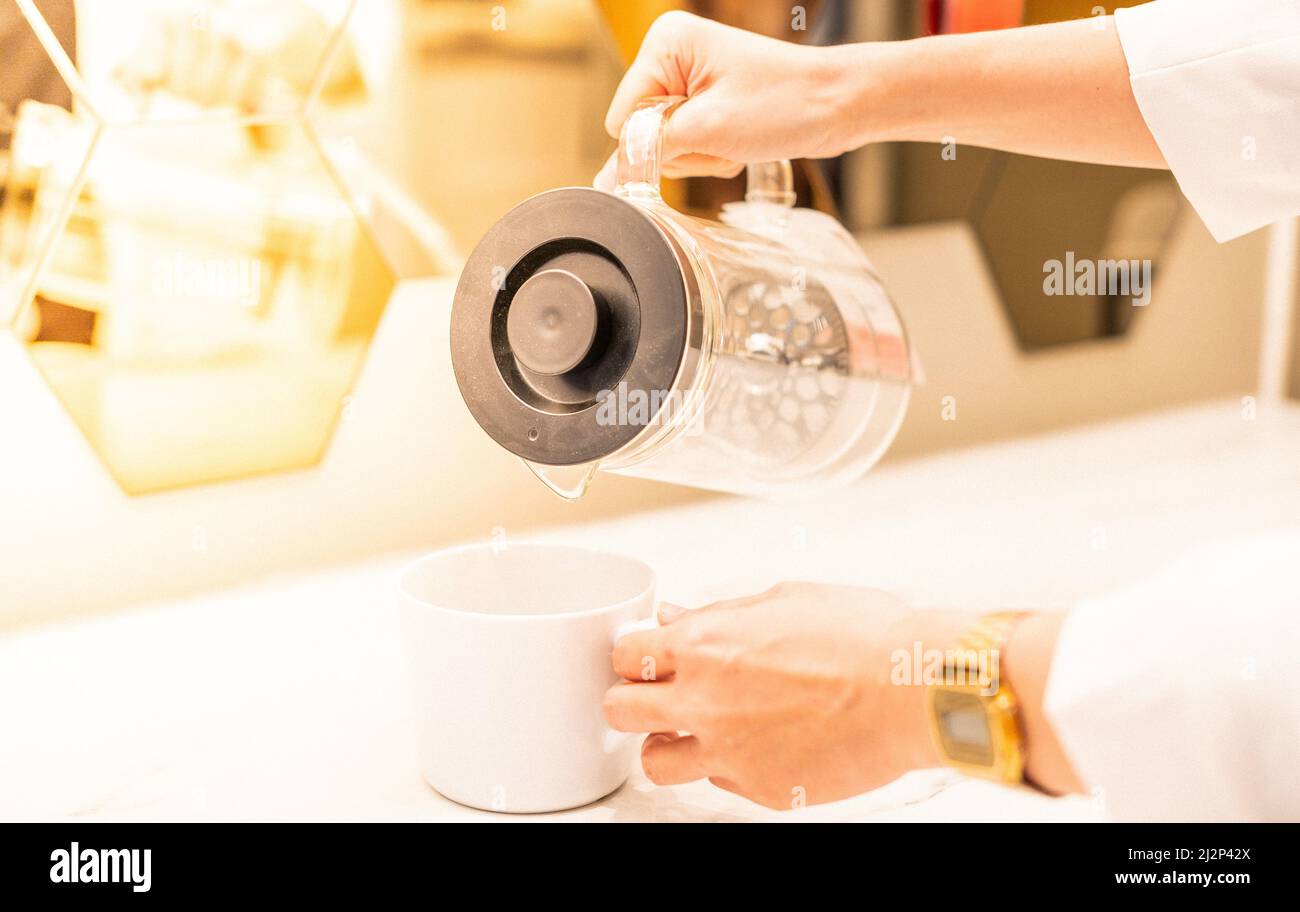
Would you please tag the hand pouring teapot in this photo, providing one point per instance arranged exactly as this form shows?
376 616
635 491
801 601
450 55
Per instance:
759 355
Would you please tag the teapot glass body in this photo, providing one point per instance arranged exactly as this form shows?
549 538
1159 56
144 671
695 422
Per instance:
758 354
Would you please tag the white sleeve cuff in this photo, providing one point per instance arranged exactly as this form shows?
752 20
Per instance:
1178 698
1217 85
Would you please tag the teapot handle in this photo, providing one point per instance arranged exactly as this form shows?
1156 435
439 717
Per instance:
640 148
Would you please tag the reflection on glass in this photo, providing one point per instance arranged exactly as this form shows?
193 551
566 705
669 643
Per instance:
39 167
29 219
166 60
208 289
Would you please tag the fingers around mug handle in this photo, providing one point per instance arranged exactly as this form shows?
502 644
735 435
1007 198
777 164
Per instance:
614 740
640 651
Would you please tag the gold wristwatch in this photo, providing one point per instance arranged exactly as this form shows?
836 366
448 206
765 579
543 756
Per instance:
974 716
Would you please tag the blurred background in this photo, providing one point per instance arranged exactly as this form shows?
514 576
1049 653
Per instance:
230 231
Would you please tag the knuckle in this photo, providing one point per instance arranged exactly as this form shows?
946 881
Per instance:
610 706
671 24
653 771
690 637
710 128
619 649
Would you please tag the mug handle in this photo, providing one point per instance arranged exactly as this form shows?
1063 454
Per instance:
640 150
616 739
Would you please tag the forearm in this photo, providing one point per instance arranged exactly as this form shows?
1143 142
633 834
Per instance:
1058 91
1026 663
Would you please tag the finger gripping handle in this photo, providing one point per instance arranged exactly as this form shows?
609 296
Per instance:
640 153
641 146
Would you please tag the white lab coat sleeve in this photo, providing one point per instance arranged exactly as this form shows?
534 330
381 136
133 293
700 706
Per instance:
1178 698
1217 84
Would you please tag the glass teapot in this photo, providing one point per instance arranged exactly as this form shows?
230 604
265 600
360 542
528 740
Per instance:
759 355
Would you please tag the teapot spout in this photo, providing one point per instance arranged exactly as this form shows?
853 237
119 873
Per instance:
568 482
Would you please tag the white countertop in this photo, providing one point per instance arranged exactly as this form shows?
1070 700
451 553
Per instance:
286 700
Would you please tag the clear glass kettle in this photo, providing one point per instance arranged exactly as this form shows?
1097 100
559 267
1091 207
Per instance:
759 355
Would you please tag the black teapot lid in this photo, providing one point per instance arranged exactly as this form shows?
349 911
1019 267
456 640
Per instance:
574 295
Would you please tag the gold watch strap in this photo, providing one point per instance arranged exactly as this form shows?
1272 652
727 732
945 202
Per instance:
981 647
991 630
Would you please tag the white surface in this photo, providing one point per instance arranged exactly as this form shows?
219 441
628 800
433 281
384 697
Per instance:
288 701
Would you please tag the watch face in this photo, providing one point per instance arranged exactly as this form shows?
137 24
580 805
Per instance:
964 727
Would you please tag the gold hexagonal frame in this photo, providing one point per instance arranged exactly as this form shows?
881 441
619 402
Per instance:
190 269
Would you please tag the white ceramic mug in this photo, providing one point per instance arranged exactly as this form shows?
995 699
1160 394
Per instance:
508 650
